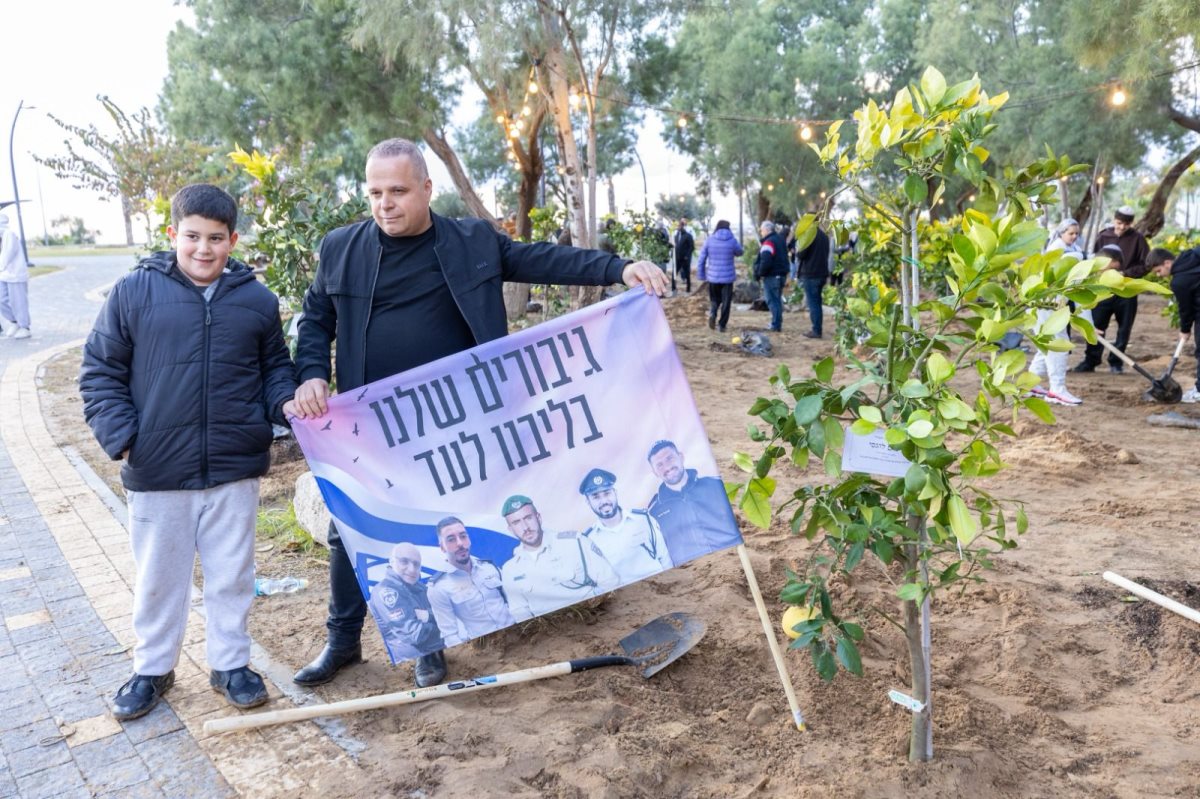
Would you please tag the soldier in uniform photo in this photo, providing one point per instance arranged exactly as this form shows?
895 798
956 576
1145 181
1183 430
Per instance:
468 601
402 608
631 542
549 572
692 511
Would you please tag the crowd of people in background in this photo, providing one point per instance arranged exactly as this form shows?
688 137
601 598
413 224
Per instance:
817 264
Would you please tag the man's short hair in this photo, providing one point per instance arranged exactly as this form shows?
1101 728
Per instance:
446 522
202 199
1159 256
767 225
397 148
659 446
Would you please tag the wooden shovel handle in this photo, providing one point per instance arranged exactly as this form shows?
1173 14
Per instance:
254 720
1108 345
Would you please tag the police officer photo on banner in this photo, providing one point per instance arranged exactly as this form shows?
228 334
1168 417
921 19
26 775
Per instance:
519 477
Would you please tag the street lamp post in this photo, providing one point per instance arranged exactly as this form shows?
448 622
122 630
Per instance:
16 193
645 189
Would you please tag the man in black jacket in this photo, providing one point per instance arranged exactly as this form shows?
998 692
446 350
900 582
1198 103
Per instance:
400 290
1130 260
1184 272
685 245
813 269
772 268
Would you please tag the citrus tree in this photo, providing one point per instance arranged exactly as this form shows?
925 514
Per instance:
937 525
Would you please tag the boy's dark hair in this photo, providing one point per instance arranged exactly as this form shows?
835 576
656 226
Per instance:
1159 256
1113 252
201 199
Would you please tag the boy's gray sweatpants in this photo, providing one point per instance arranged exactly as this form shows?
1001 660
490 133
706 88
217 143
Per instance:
166 530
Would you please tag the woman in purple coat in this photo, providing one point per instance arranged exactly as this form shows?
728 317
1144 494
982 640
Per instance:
716 266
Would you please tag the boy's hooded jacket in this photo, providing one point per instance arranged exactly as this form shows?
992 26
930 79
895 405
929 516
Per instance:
717 255
190 387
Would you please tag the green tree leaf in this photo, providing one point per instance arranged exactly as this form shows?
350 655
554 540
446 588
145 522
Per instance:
807 409
964 525
847 654
824 369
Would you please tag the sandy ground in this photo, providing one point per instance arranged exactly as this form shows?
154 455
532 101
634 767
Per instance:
1046 683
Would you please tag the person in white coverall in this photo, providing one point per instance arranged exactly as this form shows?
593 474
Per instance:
14 283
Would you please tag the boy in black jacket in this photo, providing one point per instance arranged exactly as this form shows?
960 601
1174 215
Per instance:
184 372
1185 284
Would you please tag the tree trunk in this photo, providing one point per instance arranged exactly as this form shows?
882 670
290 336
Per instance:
917 634
553 73
764 208
591 176
1154 217
458 175
612 198
516 295
127 213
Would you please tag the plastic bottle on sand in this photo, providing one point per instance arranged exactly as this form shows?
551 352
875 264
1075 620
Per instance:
265 586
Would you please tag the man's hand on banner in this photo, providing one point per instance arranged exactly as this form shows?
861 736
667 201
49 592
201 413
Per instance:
310 400
644 273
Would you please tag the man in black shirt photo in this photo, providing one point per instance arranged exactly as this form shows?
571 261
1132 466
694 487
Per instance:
399 290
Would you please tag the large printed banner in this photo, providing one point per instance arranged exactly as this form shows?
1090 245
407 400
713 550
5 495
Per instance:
521 476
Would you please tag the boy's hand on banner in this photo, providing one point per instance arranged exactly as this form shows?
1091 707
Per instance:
310 401
647 274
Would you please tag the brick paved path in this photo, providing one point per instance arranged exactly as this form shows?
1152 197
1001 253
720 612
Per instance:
65 595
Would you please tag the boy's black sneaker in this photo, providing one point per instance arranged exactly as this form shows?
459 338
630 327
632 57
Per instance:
243 688
140 694
1116 369
1084 366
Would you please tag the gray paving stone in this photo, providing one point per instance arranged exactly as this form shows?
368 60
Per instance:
8 784
37 632
84 708
108 679
38 758
172 756
31 711
69 615
95 642
159 721
28 735
59 587
20 601
110 764
52 782
44 654
61 696
143 790
209 785
21 692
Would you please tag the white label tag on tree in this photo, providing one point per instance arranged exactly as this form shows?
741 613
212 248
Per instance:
904 700
871 454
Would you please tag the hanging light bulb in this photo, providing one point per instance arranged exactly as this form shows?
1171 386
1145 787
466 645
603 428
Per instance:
1118 97
971 199
1146 180
526 111
1100 180
806 133
822 195
533 87
803 192
513 134
499 119
682 122
520 126
574 99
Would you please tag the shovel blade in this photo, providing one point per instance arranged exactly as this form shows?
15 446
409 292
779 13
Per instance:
1165 390
656 645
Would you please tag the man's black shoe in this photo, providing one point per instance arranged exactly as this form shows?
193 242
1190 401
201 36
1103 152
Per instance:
327 664
1116 369
139 695
712 322
242 687
1084 366
430 669
811 334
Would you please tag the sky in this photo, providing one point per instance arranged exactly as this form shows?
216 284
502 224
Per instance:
58 55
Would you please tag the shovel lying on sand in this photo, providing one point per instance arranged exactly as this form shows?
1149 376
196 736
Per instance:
1162 389
650 648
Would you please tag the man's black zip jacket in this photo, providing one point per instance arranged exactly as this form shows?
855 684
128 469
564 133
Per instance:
476 261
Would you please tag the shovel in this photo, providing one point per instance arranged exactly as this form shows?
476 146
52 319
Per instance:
650 648
1162 389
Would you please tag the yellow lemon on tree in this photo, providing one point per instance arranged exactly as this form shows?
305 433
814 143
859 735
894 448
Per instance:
794 615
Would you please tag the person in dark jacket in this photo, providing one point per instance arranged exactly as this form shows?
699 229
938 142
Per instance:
183 373
684 246
1132 263
813 270
1184 272
401 605
716 266
693 512
771 268
399 290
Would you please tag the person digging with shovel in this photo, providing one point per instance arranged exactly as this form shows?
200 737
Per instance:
1184 272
